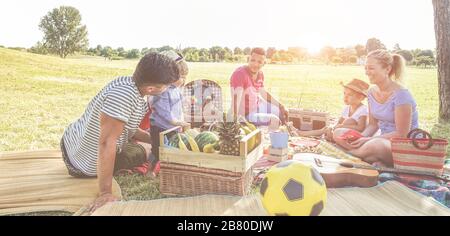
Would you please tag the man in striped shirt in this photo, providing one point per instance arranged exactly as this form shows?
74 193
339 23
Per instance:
111 119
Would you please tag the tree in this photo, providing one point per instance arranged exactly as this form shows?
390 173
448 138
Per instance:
237 51
39 48
204 55
426 53
442 31
133 54
270 52
247 51
360 50
217 53
298 53
107 52
397 47
328 53
374 44
424 61
121 52
165 48
63 32
336 60
406 54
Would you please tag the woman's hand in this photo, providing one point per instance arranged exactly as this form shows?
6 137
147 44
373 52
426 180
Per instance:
359 142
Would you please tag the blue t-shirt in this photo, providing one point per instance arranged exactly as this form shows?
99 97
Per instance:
166 107
385 112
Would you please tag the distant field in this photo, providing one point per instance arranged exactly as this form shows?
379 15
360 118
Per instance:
41 95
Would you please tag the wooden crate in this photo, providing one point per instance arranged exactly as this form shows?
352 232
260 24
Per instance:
241 163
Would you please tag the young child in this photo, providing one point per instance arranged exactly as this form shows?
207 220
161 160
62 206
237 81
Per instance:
167 110
354 114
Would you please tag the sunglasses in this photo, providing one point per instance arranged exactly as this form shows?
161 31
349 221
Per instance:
179 58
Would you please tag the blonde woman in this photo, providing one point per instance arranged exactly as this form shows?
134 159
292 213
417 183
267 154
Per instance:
392 109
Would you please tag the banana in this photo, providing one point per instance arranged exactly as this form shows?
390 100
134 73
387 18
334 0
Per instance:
252 141
181 144
193 144
255 140
251 126
209 148
192 132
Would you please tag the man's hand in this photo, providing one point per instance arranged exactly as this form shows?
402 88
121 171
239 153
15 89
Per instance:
184 125
100 201
284 115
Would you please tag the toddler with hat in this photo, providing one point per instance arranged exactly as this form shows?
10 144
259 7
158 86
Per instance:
354 115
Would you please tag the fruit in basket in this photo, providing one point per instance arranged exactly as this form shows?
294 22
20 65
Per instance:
204 138
252 127
229 136
194 146
293 189
209 148
192 132
181 144
174 141
252 141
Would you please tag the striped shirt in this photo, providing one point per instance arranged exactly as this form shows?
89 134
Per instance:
121 100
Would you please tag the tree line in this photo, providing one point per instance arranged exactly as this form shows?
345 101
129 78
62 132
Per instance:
64 35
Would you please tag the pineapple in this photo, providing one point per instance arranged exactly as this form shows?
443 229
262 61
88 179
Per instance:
229 136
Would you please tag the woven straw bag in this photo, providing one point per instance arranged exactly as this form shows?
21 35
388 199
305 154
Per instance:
423 154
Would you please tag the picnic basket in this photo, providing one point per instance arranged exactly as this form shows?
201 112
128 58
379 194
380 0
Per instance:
202 102
195 173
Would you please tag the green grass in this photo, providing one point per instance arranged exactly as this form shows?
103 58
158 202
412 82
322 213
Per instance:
41 95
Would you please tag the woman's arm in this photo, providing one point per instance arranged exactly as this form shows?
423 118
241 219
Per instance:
142 136
403 120
360 126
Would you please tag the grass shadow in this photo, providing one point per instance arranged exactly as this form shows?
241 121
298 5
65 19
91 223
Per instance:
442 130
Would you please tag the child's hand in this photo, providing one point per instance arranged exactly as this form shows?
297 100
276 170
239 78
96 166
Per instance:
184 125
328 131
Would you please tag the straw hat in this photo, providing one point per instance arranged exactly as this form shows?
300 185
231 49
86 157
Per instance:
357 85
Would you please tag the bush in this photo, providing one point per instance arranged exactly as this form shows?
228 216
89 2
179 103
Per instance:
336 60
117 58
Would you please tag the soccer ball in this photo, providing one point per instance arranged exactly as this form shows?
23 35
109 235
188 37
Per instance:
293 189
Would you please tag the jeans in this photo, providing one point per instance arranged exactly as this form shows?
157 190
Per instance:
264 113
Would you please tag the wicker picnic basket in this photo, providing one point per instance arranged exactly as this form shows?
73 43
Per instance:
198 97
195 173
178 179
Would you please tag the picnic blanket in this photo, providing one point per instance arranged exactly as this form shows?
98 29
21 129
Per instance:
388 199
38 181
329 149
430 188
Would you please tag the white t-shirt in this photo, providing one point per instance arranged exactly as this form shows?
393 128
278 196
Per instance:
361 111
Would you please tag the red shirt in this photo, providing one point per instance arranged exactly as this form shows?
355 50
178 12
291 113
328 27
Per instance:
241 81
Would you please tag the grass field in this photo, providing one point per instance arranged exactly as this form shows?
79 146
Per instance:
41 95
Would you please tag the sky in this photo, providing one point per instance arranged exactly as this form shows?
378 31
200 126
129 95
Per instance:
310 24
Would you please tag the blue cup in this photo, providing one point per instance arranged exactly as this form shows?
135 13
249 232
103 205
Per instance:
279 139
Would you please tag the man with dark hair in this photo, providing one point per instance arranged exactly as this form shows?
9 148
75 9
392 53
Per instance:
248 96
99 139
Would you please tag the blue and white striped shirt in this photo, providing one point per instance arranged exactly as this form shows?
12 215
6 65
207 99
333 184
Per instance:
120 99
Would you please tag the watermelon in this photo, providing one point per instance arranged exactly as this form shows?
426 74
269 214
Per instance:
204 138
173 141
